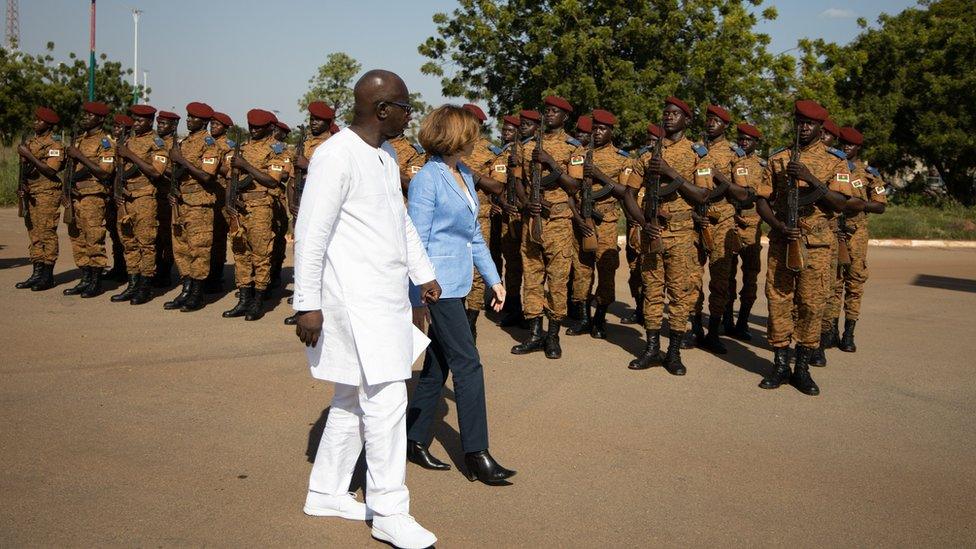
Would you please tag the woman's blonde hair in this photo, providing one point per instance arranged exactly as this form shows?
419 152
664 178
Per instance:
448 129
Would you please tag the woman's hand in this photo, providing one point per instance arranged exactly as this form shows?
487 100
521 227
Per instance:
498 300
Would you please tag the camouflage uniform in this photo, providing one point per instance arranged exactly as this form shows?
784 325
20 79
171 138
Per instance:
193 228
511 231
88 197
252 251
218 251
44 199
546 267
481 161
410 156
138 222
747 172
809 287
164 239
279 209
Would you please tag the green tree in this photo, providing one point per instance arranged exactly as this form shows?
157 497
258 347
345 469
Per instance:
616 54
332 83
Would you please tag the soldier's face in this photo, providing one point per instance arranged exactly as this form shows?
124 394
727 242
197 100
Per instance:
826 137
118 130
527 128
259 132
714 126
280 134
673 119
193 123
747 143
41 126
602 134
141 124
89 120
808 129
165 126
217 129
850 149
317 125
509 132
583 137
651 140
555 117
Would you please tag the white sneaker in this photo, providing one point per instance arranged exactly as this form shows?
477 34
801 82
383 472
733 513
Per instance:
402 531
343 506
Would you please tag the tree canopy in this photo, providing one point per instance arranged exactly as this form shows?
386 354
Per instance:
333 83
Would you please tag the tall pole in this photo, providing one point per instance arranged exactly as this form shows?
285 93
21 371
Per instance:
145 83
91 55
135 57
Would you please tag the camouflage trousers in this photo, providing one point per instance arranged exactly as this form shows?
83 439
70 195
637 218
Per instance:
849 284
750 235
87 232
44 209
634 280
720 268
252 250
675 274
138 226
511 248
192 240
164 238
545 269
797 299
603 263
476 298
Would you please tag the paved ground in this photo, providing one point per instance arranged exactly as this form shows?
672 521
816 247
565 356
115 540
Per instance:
136 426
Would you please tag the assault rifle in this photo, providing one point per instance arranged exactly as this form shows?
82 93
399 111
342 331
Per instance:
174 191
652 203
118 187
511 196
23 192
796 251
67 182
296 184
843 250
586 201
535 194
230 198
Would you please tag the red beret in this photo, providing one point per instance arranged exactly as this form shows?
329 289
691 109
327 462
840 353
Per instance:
95 107
259 117
672 100
851 135
720 112
831 127
123 119
199 110
142 110
656 130
810 109
749 130
321 109
167 115
584 124
334 128
531 115
475 110
283 126
223 119
601 116
47 115
558 102
510 119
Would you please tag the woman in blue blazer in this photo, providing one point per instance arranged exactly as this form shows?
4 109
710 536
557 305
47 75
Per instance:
443 206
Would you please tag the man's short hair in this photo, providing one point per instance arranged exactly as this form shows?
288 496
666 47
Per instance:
448 129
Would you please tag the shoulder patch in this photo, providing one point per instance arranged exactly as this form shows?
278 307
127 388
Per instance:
417 147
495 149
209 140
526 140
623 153
572 141
837 152
873 171
737 150
231 143
56 136
700 150
277 147
159 141
777 151
106 143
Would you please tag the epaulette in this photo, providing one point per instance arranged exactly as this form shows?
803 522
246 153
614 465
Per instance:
231 143
737 150
623 153
209 140
642 150
873 171
277 147
159 141
763 163
495 149
417 147
700 150
106 143
837 152
574 142
526 140
850 165
56 136
774 152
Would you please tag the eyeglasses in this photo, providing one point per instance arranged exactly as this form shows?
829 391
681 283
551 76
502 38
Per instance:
407 107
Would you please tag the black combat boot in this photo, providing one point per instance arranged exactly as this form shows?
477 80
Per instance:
94 288
651 355
637 316
32 279
741 330
818 356
585 320
691 336
177 301
781 369
847 341
712 342
728 323
46 280
126 294
291 320
672 360
472 315
244 296
255 307
194 300
551 344
801 373
599 329
698 329
833 336
142 293
535 342
86 278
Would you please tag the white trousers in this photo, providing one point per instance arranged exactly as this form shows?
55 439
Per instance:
376 415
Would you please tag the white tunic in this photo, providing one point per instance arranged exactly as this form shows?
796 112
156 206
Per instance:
355 252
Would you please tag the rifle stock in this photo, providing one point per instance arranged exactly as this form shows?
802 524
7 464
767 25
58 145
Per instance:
652 205
174 192
511 195
843 250
230 199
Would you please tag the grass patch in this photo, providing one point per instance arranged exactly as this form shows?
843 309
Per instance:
951 222
8 176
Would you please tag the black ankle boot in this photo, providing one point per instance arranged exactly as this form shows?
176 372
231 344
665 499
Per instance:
586 321
599 329
177 301
535 342
847 341
86 276
472 315
651 355
255 307
801 373
117 273
245 294
126 294
551 344
46 280
818 356
94 287
142 293
481 466
194 300
32 279
712 342
672 360
691 336
833 336
741 330
420 454
781 369
698 329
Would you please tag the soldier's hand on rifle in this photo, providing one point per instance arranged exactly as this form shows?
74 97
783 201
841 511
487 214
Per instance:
237 161
176 155
124 151
540 155
302 163
73 151
21 193
652 230
790 234
512 161
510 208
308 328
172 200
534 208
799 170
658 165
119 201
496 209
583 227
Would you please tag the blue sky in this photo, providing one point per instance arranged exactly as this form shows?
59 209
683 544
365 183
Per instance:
236 55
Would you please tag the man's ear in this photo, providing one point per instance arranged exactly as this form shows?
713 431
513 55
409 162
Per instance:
383 110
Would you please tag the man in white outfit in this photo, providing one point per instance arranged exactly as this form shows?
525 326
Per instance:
355 253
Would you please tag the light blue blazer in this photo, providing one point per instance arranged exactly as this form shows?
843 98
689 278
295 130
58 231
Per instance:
449 229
